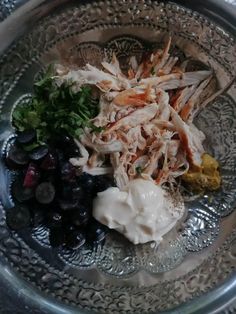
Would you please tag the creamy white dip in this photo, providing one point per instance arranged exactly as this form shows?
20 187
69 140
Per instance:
143 212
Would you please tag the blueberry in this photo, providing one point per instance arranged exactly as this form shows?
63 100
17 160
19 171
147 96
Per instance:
38 216
67 144
68 204
56 237
96 232
68 172
72 151
66 192
69 228
50 176
49 162
18 217
78 192
39 153
60 156
87 181
102 183
80 216
45 193
21 193
26 137
75 239
16 157
87 202
54 219
69 147
70 193
63 141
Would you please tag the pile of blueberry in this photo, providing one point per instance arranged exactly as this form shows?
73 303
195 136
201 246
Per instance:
49 190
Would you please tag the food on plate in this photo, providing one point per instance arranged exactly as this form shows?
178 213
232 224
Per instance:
205 177
142 211
102 147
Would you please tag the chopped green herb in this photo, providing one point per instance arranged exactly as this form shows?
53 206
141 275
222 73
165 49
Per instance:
152 71
138 170
97 129
30 147
54 110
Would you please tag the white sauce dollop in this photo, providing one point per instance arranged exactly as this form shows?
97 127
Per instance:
143 212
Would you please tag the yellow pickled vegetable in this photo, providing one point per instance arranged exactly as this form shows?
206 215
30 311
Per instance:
206 177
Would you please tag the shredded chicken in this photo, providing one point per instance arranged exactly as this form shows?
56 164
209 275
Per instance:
146 116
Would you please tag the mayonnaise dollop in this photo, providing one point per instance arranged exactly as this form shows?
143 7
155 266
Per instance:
143 212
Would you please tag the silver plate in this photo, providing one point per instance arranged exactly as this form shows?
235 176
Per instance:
120 277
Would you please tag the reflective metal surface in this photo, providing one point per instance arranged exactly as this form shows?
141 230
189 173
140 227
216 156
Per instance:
51 273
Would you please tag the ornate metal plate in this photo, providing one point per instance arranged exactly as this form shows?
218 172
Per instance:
120 277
